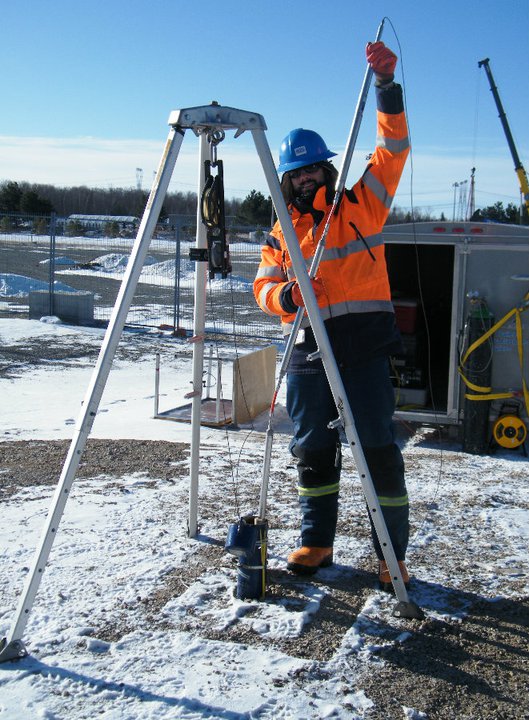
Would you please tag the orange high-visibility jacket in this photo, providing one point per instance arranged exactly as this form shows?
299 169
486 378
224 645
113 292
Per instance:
353 267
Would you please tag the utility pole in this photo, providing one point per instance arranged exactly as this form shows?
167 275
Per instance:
455 186
471 208
462 198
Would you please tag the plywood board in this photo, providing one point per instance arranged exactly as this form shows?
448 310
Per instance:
253 384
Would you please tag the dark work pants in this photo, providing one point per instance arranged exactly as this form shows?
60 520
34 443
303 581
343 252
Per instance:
311 407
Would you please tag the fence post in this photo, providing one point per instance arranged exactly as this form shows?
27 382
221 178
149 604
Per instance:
176 302
51 274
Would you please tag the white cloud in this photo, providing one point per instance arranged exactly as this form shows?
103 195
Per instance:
98 162
75 161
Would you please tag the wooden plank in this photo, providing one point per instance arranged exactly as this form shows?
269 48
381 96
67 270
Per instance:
253 384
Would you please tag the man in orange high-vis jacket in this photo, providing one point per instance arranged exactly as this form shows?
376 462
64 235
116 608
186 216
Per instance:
354 297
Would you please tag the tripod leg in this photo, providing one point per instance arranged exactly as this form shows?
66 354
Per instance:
12 643
199 321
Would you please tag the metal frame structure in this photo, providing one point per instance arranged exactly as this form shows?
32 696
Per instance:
203 121
488 258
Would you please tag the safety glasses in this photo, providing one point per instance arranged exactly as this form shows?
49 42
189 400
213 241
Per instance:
307 170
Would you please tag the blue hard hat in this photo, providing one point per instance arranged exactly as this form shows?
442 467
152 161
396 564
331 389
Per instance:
302 147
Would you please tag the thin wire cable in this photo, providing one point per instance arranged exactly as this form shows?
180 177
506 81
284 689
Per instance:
421 297
231 464
243 390
234 466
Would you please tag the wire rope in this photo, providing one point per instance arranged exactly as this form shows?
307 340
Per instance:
432 501
212 210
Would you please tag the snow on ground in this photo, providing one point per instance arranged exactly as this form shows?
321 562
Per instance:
113 265
159 273
12 285
120 537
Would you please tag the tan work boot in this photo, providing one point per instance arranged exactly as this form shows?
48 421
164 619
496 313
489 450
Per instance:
384 577
307 560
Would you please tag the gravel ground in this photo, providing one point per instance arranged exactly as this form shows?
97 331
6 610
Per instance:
451 669
471 669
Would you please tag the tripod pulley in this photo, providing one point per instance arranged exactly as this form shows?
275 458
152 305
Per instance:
213 197
212 210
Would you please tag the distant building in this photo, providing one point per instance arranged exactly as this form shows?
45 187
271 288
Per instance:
98 222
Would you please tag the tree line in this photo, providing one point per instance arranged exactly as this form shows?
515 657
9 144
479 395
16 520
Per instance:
36 199
255 210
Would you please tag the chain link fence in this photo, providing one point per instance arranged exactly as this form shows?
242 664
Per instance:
42 254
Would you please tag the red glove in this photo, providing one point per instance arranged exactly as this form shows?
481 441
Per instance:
317 286
382 61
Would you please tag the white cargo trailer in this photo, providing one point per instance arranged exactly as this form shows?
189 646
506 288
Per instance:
441 273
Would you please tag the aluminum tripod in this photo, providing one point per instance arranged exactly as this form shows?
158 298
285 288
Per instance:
202 121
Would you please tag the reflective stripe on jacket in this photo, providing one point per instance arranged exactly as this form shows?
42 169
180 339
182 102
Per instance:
353 267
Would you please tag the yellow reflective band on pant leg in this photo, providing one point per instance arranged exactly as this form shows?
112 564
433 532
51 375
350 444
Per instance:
393 501
318 491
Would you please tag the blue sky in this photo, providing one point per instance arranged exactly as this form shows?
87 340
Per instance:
88 87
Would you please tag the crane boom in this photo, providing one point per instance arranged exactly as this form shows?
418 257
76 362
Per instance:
518 167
